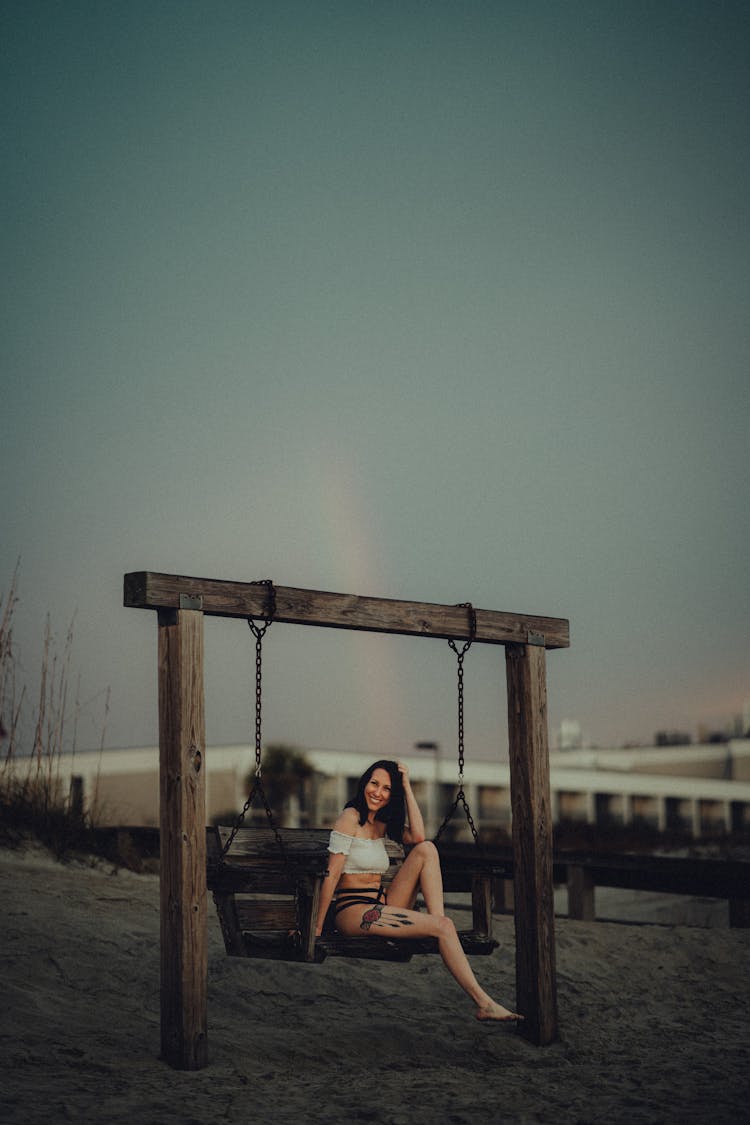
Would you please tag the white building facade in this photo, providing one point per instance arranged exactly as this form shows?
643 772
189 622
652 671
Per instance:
698 790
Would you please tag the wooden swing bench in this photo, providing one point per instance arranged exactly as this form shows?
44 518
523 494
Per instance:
262 893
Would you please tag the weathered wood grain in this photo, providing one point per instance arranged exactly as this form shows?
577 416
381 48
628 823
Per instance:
536 988
184 938
149 590
266 914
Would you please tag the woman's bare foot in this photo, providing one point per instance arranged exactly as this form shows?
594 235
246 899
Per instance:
496 1012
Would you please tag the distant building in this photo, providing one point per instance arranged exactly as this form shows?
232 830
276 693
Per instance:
672 738
571 736
699 790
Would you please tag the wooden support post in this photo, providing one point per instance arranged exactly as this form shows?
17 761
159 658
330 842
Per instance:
536 987
310 904
502 895
481 905
184 937
76 797
739 912
581 892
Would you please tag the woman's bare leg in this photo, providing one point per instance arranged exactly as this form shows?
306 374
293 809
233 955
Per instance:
420 870
401 923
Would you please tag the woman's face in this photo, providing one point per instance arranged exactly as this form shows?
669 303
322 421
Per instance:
378 790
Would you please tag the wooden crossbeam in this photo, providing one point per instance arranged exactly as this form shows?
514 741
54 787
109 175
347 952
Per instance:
146 589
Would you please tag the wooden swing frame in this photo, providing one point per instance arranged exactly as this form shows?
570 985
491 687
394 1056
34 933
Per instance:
182 603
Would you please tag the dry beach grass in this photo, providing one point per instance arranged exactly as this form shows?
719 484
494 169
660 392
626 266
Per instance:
653 1022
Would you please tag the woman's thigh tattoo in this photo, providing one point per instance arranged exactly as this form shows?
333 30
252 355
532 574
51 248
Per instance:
395 920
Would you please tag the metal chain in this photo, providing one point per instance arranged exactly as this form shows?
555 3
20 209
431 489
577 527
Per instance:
461 795
258 632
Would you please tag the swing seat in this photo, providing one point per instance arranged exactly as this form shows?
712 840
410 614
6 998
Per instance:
262 895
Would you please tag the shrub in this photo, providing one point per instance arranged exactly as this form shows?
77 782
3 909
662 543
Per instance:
34 799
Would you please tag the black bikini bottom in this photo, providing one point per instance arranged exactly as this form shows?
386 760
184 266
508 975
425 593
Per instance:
355 896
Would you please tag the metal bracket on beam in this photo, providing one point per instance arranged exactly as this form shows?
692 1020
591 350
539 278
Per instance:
535 639
191 601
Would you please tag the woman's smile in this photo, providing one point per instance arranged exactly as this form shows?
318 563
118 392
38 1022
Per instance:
378 789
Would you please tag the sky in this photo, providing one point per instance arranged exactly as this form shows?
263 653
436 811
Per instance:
444 302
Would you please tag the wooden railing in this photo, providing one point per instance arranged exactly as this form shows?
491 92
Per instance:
712 878
583 872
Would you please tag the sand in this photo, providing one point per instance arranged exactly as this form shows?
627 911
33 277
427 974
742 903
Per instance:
653 1023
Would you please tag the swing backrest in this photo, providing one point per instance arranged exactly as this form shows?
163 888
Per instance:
264 890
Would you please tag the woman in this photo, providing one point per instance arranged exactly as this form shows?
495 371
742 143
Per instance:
358 860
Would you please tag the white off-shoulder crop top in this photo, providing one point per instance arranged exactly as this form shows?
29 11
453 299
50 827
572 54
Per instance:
363 857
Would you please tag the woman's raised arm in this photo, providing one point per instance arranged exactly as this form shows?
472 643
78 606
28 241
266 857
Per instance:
415 833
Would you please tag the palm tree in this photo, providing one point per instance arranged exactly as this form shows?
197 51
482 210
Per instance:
285 772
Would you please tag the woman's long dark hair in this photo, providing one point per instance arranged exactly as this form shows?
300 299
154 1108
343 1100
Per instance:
394 813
